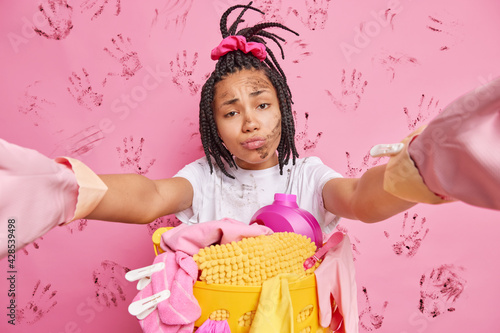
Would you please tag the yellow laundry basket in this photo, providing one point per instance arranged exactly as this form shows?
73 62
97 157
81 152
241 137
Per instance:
240 302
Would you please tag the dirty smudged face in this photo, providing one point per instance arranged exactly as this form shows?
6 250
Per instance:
248 118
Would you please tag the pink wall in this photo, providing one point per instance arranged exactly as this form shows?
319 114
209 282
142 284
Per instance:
362 73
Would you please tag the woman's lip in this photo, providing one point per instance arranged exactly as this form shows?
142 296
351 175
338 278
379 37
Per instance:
254 143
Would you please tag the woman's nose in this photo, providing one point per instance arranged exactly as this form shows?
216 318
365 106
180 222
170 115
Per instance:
250 122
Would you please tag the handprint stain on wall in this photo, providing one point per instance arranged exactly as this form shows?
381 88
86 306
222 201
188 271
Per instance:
43 300
58 15
298 51
411 237
82 91
34 106
109 280
448 30
367 162
369 319
427 107
128 59
83 141
303 142
440 289
389 15
164 221
272 10
97 7
173 15
183 73
131 156
351 92
390 63
316 14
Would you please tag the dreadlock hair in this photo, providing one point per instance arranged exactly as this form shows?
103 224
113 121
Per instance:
235 61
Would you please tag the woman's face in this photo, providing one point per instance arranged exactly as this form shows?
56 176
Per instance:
248 118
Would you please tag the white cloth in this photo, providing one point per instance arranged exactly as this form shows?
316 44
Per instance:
217 196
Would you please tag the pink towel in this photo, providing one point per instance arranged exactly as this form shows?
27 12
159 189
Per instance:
458 154
181 309
179 275
335 280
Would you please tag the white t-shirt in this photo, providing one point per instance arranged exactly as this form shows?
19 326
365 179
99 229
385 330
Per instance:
217 196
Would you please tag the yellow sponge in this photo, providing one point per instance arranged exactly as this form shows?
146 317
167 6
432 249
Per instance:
252 261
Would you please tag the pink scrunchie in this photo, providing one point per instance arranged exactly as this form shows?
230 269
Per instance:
233 43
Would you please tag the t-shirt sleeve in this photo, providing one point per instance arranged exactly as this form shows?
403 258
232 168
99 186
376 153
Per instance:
314 177
194 172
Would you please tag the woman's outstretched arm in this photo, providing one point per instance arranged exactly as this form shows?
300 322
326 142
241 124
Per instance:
363 198
133 198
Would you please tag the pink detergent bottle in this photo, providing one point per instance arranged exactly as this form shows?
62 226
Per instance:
285 215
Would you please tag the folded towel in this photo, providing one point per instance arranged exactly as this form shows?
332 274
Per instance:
181 309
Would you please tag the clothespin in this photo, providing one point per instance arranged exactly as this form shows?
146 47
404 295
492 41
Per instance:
144 274
142 308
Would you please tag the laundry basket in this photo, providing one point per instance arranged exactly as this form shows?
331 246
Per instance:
240 302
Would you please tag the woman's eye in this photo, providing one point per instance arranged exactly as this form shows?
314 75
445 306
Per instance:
230 114
263 106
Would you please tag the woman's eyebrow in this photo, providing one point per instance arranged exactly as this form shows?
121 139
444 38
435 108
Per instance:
229 102
252 94
258 92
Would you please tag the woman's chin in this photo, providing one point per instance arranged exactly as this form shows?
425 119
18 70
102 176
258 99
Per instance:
257 163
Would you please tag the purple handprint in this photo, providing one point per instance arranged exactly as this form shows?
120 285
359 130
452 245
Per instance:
174 13
350 92
299 51
82 91
131 156
426 109
304 144
446 29
83 141
440 289
316 16
42 301
109 280
390 62
389 15
271 9
98 6
33 105
128 59
410 238
164 221
59 19
183 73
368 162
370 320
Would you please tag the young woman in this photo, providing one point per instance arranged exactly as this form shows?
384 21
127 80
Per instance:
247 130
